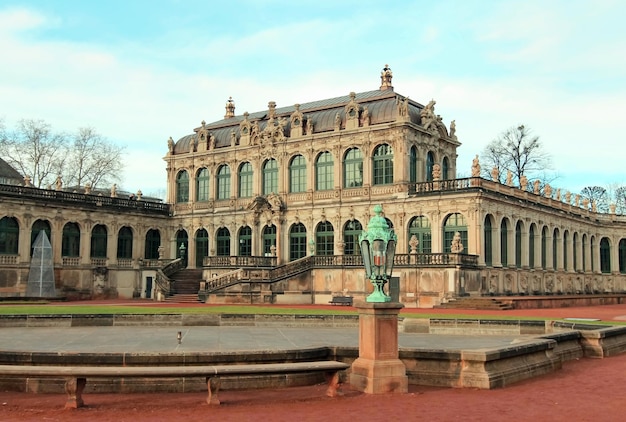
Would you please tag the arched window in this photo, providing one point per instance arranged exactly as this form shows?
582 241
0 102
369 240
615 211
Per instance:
223 182
531 245
9 236
593 245
544 248
125 243
202 247
325 239
453 224
182 245
182 186
555 248
584 251
565 250
575 263
70 242
622 256
504 243
269 239
351 232
297 174
245 180
223 242
353 168
445 168
488 233
38 226
413 165
518 244
430 164
245 241
270 177
420 228
202 185
605 256
297 242
324 172
382 165
99 242
153 241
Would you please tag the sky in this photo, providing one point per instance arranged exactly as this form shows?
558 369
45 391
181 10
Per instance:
142 71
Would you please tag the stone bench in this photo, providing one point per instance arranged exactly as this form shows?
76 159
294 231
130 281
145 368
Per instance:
76 376
341 300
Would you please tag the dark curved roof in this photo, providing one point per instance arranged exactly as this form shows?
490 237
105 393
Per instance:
382 107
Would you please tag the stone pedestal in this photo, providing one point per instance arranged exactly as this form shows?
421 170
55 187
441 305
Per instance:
378 369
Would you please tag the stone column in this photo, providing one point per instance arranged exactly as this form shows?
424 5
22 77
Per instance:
378 369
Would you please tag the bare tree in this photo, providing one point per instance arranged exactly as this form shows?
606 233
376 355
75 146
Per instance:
92 159
516 150
620 200
83 157
35 151
596 195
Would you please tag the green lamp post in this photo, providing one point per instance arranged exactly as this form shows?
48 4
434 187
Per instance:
378 247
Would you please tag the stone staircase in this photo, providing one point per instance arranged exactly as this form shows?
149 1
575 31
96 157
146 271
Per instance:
184 286
481 303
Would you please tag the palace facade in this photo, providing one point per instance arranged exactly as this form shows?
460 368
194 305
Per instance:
268 207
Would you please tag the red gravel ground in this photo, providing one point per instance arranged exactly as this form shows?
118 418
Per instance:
583 390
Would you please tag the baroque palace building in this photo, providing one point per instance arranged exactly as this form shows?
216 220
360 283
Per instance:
268 207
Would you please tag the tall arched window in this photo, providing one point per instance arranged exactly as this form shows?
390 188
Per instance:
555 248
420 228
125 243
453 224
430 164
269 239
518 244
182 245
297 174
605 256
565 250
38 226
99 242
382 165
70 242
445 168
297 242
531 245
202 185
223 182
353 168
245 180
544 248
202 247
584 252
351 232
504 242
622 256
245 241
182 186
413 164
223 242
324 172
153 241
9 236
270 177
325 239
488 234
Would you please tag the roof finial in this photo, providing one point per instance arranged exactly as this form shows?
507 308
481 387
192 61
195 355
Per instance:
385 78
230 108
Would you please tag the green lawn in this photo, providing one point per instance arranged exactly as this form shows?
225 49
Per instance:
8 308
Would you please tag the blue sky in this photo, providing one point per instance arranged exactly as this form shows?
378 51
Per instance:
142 71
